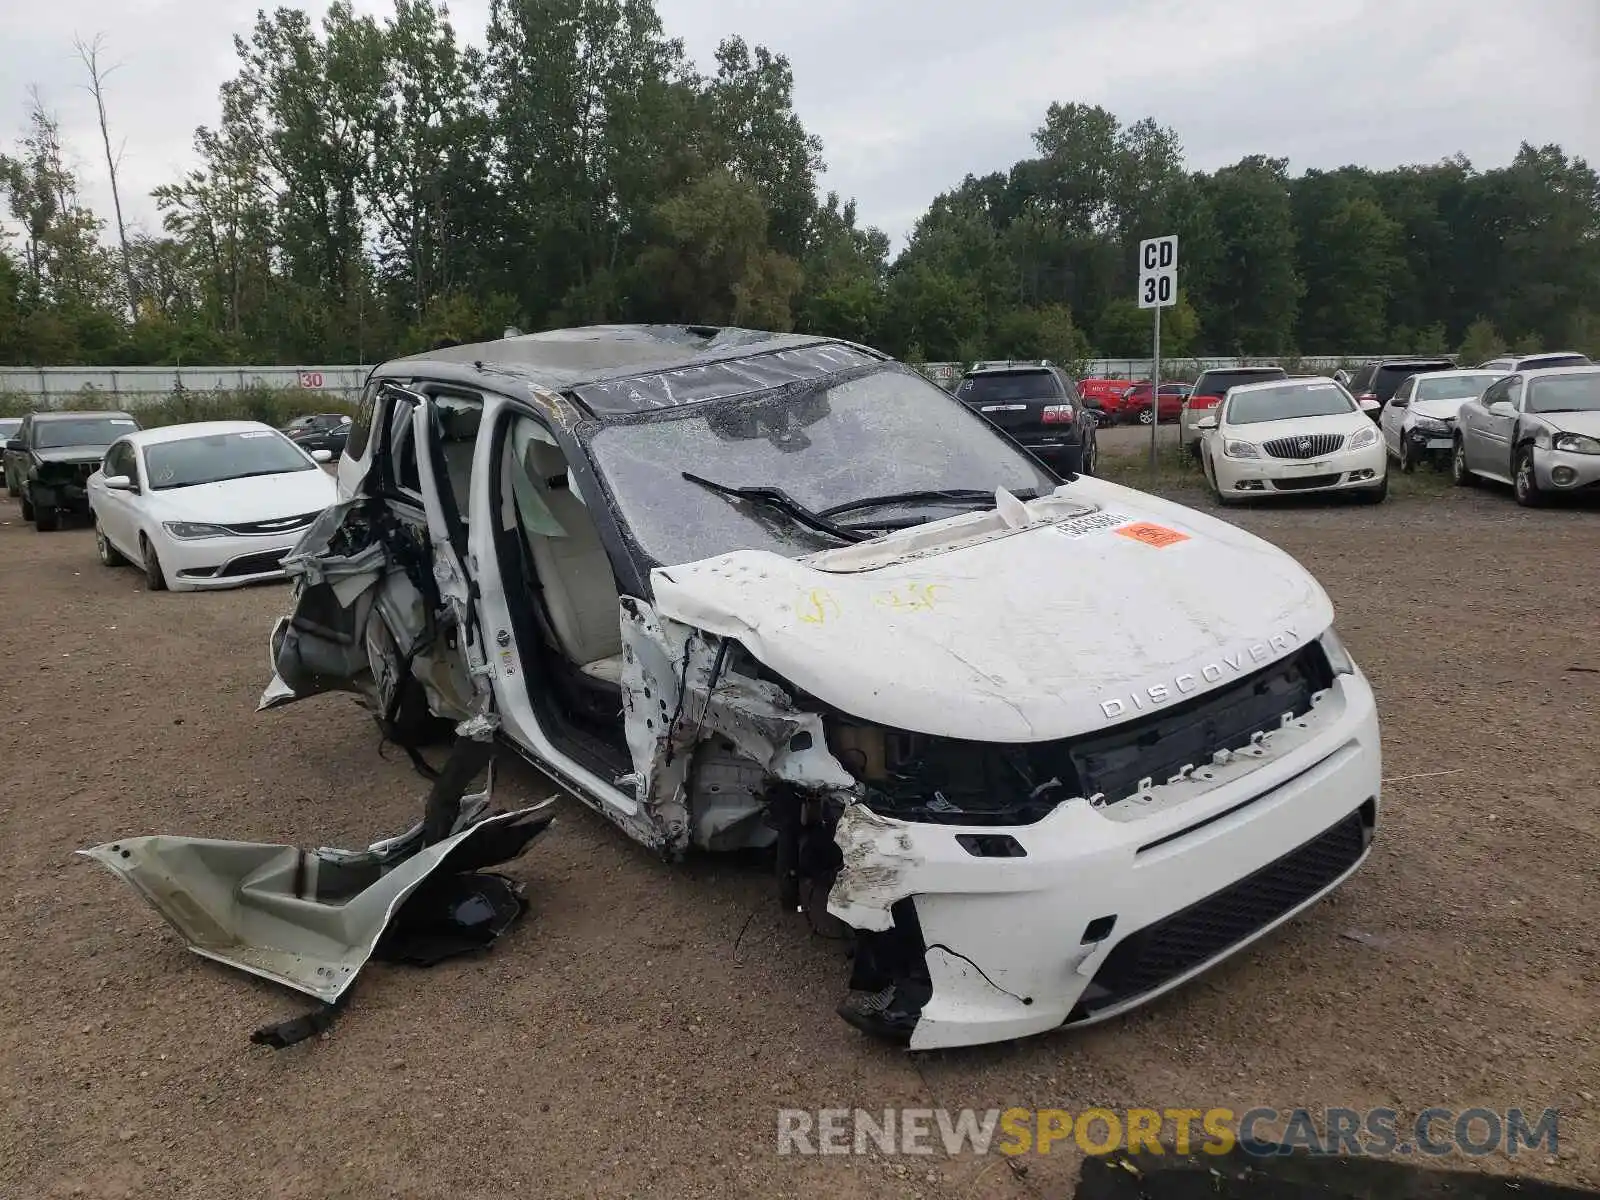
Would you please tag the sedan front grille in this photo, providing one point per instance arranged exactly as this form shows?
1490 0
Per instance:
276 525
1313 445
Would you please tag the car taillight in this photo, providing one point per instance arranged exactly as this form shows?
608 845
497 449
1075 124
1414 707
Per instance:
1367 396
1057 414
1204 401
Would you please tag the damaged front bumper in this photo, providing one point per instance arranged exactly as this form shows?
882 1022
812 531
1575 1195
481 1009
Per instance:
1094 910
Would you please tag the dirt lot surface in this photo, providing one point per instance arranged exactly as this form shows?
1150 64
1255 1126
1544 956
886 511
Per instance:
625 1039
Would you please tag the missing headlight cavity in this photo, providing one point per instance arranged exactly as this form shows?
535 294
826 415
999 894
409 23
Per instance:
915 777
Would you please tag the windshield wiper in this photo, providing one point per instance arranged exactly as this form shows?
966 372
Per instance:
780 501
956 495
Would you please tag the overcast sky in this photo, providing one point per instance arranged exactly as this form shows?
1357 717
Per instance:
910 95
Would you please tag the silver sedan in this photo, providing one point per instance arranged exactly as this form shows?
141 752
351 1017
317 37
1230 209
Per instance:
1536 430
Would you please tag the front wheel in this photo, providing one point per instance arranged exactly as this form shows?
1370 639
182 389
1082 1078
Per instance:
1378 494
46 518
1408 458
1526 482
1459 474
1087 460
27 507
154 577
1147 416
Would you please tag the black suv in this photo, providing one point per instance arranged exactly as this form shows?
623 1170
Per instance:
1038 406
1382 379
52 454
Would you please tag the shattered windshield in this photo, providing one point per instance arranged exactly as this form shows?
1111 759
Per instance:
885 432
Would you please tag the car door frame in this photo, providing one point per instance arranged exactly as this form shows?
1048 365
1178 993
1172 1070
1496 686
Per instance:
1393 428
507 661
1499 429
120 505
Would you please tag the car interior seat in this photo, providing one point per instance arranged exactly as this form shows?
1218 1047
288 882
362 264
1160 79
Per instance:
580 591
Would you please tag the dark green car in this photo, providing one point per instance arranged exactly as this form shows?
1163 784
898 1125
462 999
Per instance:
51 456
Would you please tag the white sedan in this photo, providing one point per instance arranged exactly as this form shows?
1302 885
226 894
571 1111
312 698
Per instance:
1419 422
1292 436
213 504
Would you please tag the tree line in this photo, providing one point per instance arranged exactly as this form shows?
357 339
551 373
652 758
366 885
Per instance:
371 188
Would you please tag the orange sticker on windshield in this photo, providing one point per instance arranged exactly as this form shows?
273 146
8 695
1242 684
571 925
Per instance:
1158 536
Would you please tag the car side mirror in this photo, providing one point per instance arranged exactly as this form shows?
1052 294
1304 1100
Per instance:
118 483
322 456
15 444
1399 402
1503 408
1208 422
1370 406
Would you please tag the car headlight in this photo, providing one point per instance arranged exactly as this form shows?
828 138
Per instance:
193 529
1577 443
1362 437
1235 449
1430 424
1338 657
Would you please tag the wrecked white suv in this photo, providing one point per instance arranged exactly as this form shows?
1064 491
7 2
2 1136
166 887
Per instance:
1048 748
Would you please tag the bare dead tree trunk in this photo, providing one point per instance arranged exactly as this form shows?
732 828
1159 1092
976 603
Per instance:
89 54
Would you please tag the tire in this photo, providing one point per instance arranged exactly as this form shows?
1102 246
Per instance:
1524 479
27 507
1408 461
1223 499
1088 458
110 556
1459 474
154 577
1147 416
1376 495
46 518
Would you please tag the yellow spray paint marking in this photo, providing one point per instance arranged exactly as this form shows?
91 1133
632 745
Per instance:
914 597
817 607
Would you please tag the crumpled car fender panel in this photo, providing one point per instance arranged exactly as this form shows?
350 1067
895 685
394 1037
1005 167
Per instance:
307 920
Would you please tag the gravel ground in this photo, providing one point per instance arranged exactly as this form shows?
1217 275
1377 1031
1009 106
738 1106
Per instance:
625 1038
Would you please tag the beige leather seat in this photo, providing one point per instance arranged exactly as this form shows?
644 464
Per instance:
580 592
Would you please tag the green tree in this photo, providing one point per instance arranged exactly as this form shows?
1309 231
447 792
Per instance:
1481 343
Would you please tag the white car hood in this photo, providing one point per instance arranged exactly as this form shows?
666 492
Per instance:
1439 410
1265 431
1066 625
261 498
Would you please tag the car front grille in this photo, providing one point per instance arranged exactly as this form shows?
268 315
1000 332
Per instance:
252 564
276 525
1305 483
1150 957
1159 746
1315 445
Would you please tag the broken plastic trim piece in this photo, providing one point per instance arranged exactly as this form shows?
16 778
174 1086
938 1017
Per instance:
309 921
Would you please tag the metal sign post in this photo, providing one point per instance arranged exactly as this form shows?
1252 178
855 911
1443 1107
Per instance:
1158 289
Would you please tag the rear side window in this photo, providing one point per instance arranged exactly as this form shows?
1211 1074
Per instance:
1002 387
1557 360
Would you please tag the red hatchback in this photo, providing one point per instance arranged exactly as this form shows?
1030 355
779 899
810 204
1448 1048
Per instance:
1136 401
